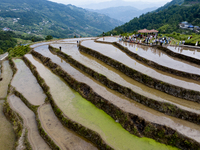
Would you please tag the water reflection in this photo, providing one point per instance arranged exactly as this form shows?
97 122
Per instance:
85 113
109 50
26 83
6 77
162 58
117 99
28 116
62 136
192 52
117 77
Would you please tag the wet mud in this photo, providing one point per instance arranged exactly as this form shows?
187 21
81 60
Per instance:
26 83
28 116
160 60
191 52
101 69
173 52
174 85
108 39
64 137
6 78
117 99
71 103
7 135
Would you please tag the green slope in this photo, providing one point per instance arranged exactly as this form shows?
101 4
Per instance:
169 18
45 17
173 2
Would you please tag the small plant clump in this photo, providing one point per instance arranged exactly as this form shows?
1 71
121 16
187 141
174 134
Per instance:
18 51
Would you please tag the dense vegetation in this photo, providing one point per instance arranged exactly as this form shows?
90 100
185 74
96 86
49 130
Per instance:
166 21
42 17
18 51
6 41
173 2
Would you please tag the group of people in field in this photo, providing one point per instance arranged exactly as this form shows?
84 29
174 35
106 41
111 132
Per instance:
149 39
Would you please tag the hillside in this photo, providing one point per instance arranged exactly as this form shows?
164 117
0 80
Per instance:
43 17
123 13
6 41
173 2
168 19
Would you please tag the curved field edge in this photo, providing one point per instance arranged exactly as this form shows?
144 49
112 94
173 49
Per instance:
163 107
42 132
164 49
130 122
143 78
156 65
76 127
16 121
177 55
12 116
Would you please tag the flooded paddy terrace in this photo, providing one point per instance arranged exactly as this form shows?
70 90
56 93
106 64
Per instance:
117 76
162 58
85 113
28 116
65 138
118 99
6 77
78 109
192 52
7 135
116 54
25 82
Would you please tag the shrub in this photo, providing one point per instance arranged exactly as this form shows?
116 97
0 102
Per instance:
18 51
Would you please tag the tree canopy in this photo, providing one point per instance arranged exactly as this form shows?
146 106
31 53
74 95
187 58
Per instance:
169 18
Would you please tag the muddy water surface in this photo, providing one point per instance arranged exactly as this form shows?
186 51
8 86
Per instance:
109 39
114 53
28 116
26 83
162 58
65 138
192 52
40 44
7 76
76 39
124 103
85 113
7 135
117 76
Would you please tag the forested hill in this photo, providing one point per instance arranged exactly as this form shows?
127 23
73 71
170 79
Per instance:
43 17
173 2
6 41
166 20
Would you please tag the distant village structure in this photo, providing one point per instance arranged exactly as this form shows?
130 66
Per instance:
6 29
186 25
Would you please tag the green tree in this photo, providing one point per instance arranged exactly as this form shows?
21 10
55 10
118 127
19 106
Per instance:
1 51
48 37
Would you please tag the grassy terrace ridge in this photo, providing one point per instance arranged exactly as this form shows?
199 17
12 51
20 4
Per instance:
43 134
126 120
67 122
153 64
181 56
143 78
167 108
13 116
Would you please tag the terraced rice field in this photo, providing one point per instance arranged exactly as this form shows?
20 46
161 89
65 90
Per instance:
195 53
7 136
79 98
6 76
